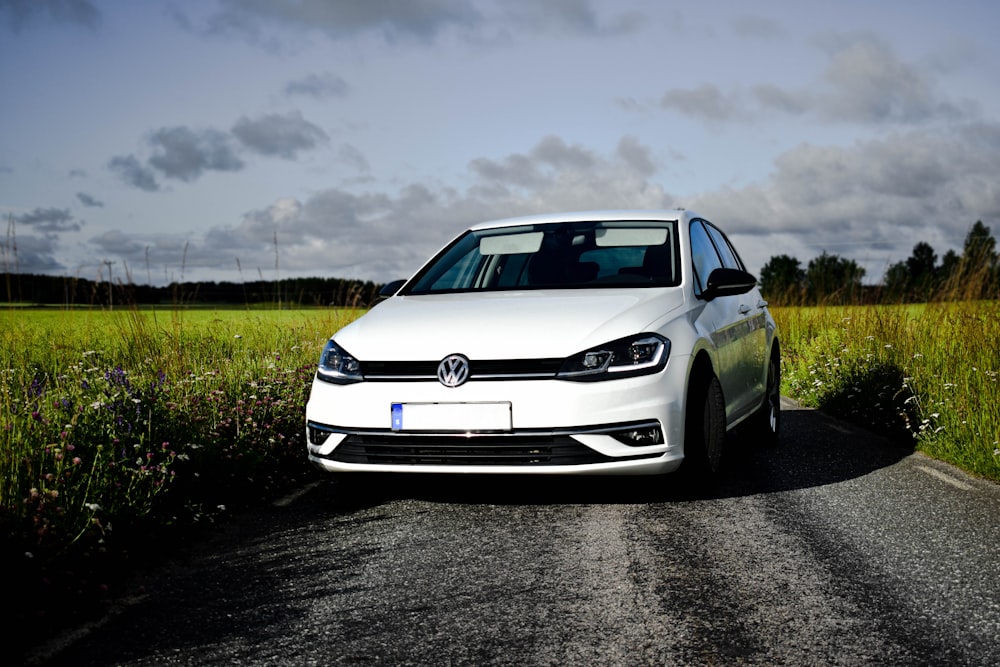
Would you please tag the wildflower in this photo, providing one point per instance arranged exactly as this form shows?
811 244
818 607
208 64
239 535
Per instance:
93 507
77 460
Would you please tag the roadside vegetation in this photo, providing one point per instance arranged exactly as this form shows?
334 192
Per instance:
922 374
915 358
126 428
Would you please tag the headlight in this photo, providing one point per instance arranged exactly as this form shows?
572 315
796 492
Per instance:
337 366
636 355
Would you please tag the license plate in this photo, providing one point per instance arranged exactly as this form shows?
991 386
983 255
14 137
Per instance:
451 417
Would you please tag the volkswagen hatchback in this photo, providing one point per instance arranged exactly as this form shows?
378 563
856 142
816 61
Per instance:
610 342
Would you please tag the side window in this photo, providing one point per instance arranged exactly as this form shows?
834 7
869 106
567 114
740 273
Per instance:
703 255
729 258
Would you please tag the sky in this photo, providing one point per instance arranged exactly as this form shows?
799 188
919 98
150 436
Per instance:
237 140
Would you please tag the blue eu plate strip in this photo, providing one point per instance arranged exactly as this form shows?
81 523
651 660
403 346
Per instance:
397 416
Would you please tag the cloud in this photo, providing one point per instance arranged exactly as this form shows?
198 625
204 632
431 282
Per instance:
413 19
279 135
870 84
31 244
133 173
89 201
568 16
705 101
874 199
385 235
21 13
863 83
353 158
381 236
318 86
50 220
30 253
758 27
184 154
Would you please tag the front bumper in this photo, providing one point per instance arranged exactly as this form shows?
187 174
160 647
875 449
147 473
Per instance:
555 427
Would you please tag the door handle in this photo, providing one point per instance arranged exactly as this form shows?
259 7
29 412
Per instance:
762 304
744 309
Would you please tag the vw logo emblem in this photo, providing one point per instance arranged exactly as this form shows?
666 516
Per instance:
453 370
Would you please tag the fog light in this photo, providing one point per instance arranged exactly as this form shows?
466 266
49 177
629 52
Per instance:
639 437
318 437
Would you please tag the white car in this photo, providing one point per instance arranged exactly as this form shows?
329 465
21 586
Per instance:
608 342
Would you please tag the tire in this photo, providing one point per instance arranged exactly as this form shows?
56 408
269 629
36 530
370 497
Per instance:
766 422
705 429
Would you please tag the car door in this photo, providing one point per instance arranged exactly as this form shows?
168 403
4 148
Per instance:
725 320
752 330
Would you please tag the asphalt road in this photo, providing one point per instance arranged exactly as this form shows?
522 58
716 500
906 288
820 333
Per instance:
835 548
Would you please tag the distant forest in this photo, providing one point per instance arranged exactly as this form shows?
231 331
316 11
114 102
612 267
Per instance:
974 274
33 289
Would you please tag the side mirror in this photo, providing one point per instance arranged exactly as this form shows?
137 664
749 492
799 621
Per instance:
390 289
728 282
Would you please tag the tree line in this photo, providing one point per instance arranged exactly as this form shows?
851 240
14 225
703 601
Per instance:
33 289
975 274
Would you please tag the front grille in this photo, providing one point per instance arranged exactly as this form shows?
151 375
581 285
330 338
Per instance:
484 369
482 450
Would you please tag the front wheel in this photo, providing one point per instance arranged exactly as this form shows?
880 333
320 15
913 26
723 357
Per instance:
705 428
767 420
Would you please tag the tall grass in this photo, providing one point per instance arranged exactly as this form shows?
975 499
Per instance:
115 426
924 373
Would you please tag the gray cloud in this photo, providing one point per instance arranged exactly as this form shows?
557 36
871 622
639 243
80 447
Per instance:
22 13
279 135
353 158
870 84
757 27
133 173
705 101
88 200
864 82
381 236
50 220
184 154
319 86
30 253
269 23
420 19
872 200
568 16
636 155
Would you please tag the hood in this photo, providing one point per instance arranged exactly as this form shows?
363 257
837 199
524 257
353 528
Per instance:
503 325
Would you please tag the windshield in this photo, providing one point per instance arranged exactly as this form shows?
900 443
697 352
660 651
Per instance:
564 255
